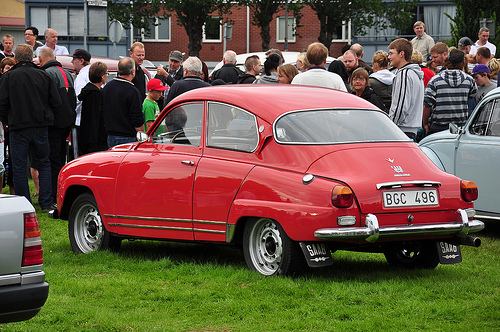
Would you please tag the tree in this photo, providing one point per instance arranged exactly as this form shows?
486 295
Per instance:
191 14
362 13
468 15
263 12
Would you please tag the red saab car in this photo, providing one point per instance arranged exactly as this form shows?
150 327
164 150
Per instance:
288 173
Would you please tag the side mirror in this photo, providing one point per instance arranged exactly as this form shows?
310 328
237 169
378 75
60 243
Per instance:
454 129
141 136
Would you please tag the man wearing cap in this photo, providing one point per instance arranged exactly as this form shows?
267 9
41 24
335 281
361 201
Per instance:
465 44
175 72
81 64
51 41
150 108
446 95
481 74
422 42
142 76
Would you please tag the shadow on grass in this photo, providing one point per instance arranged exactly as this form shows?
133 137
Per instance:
363 267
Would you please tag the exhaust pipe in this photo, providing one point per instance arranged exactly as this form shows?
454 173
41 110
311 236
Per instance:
470 241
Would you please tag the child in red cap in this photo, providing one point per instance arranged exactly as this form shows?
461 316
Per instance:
149 106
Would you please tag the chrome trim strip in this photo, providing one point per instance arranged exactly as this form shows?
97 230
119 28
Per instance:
208 231
209 222
148 218
164 228
372 232
33 278
398 184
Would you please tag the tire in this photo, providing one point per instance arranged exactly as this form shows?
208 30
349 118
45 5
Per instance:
86 229
269 251
419 256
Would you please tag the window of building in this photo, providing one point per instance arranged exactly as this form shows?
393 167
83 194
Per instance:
280 29
212 30
158 32
69 22
343 33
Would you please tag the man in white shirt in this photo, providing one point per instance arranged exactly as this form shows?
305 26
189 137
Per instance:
317 75
483 35
51 41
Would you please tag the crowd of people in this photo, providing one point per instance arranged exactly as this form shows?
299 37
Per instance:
423 86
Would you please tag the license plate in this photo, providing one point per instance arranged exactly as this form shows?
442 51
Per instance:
410 198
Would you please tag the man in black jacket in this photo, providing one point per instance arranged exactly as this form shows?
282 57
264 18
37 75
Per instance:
66 114
229 73
122 106
191 80
28 114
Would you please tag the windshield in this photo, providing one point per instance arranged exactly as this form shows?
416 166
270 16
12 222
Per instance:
336 126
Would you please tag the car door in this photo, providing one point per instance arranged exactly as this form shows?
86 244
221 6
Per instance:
155 182
478 155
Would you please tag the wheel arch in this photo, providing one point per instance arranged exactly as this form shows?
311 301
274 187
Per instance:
69 198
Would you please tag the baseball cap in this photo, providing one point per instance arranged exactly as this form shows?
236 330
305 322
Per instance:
176 55
464 41
156 84
480 68
82 54
456 56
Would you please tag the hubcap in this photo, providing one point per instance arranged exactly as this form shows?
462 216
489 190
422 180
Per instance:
266 246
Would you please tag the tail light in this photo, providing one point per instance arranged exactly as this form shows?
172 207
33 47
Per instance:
468 190
342 196
32 252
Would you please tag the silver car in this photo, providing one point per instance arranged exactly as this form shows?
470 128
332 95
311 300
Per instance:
473 152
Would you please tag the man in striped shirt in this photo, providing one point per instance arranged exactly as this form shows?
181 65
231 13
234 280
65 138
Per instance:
446 95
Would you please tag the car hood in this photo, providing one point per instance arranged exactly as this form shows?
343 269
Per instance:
363 167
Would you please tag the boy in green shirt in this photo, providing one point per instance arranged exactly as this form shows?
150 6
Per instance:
149 106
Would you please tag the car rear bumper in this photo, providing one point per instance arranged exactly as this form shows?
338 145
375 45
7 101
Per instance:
372 232
22 302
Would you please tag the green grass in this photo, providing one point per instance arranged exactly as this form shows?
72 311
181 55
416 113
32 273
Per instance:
164 286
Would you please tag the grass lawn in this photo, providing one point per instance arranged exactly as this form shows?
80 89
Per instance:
164 286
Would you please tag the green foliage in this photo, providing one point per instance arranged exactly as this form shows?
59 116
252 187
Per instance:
362 14
467 17
135 12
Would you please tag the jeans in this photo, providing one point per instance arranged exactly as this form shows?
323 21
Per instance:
117 140
57 156
20 142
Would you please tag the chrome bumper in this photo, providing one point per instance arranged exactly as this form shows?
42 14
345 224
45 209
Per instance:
372 232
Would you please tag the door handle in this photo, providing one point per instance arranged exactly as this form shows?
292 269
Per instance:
187 162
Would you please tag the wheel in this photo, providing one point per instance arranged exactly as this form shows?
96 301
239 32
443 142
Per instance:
86 229
419 256
268 250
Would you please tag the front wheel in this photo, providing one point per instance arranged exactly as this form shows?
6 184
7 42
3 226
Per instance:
268 250
86 229
419 256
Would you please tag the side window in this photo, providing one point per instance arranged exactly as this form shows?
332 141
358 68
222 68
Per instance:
182 125
494 126
480 124
231 128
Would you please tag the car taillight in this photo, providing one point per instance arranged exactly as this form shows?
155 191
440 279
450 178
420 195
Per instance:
468 190
342 196
32 253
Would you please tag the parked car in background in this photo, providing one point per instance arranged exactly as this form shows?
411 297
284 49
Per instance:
288 173
290 57
473 152
23 290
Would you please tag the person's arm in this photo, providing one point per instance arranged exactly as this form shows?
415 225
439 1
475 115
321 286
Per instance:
425 118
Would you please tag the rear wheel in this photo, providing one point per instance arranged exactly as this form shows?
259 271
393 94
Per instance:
269 250
86 229
418 256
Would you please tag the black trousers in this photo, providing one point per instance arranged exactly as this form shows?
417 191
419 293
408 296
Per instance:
57 155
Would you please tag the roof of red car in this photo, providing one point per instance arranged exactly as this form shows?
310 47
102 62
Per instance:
271 100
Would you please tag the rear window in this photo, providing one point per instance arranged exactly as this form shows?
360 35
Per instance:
336 126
